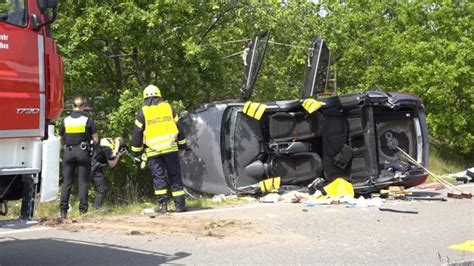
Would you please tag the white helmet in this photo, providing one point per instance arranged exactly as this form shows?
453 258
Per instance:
151 91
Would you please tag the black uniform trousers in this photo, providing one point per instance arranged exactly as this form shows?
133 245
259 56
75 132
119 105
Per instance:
75 159
99 180
166 170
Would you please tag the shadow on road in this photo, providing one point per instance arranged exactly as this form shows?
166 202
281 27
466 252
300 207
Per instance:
17 224
57 251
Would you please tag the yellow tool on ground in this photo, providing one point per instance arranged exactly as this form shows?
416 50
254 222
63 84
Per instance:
339 188
466 246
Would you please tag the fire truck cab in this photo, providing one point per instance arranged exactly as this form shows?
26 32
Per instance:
31 96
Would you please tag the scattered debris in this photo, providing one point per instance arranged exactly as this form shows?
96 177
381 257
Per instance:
463 176
134 232
321 201
428 198
433 186
455 195
459 195
271 198
290 197
397 211
362 202
395 192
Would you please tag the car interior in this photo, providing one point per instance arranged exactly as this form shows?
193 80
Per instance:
354 136
354 142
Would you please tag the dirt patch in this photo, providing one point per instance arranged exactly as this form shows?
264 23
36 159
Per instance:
158 225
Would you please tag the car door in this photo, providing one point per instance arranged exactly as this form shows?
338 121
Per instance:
317 69
253 58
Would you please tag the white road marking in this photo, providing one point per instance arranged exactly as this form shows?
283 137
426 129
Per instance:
16 231
230 209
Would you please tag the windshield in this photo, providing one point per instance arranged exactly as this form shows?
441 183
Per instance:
13 12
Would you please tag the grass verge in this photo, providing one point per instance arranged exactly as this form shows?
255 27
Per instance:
51 209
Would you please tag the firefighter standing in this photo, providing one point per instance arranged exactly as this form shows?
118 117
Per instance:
157 133
76 132
107 153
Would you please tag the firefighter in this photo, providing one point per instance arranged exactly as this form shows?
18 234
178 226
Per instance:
157 134
76 132
108 152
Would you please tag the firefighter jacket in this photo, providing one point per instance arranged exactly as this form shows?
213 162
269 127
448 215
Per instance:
156 130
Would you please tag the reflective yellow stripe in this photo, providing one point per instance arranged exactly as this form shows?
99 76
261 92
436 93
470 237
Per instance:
177 193
137 149
75 125
161 140
182 142
75 129
246 106
271 184
262 186
151 152
277 182
161 145
252 109
255 110
160 192
176 118
138 124
260 111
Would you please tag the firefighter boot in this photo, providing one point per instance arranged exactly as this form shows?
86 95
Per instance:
180 204
162 207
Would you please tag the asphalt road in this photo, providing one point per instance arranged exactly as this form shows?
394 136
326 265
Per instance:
279 234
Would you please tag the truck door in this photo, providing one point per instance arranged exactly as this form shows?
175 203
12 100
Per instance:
22 74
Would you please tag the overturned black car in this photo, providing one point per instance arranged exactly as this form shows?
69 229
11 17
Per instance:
234 145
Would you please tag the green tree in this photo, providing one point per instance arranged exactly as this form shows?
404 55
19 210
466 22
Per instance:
191 49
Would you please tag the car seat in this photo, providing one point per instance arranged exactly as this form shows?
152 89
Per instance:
290 126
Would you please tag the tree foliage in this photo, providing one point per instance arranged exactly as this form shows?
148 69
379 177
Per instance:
190 49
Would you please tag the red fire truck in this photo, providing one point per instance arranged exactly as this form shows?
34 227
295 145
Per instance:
31 96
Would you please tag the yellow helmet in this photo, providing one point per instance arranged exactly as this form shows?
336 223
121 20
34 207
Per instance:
151 91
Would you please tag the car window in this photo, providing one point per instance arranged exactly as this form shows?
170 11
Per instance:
13 12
